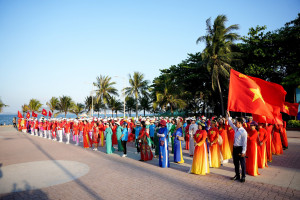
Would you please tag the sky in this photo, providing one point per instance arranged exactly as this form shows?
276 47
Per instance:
59 47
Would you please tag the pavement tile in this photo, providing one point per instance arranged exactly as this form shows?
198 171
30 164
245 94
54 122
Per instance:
113 177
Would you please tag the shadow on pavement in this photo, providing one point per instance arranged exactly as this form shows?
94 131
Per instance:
29 193
77 181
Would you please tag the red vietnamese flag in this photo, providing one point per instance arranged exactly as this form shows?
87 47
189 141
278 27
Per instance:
278 119
259 118
28 115
20 115
253 95
34 114
290 108
44 112
50 114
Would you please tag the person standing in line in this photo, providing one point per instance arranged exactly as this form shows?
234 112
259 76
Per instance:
67 130
192 130
269 142
119 133
95 136
163 145
108 132
251 155
261 147
137 131
214 147
76 131
59 130
187 135
54 127
151 132
172 131
178 138
124 138
239 147
156 139
200 160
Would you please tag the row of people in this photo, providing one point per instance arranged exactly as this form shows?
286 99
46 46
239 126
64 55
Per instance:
210 142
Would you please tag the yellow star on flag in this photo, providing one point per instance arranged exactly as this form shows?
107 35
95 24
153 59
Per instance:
243 76
257 94
286 107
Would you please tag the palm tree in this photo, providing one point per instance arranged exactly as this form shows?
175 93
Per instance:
130 104
52 104
99 106
77 109
88 103
119 107
105 89
25 108
169 97
138 86
34 105
145 104
65 105
2 105
217 54
114 105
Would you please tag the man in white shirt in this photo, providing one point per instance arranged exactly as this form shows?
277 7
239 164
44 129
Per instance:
192 130
239 147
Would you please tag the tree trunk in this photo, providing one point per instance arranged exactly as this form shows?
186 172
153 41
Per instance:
136 107
144 111
98 114
105 112
112 113
65 114
172 110
221 96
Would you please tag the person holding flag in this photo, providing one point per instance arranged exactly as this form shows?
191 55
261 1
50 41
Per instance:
239 147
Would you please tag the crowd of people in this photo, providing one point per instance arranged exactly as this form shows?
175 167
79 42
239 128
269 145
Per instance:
210 141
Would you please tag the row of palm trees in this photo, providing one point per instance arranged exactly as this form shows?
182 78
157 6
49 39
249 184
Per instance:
137 98
217 57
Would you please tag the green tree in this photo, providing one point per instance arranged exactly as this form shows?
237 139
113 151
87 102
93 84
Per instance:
119 107
88 103
25 108
2 105
114 105
65 105
145 104
77 109
217 54
34 105
130 104
52 104
137 87
105 89
99 106
169 98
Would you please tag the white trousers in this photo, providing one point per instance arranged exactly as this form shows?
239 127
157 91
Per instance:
60 135
68 138
49 134
35 132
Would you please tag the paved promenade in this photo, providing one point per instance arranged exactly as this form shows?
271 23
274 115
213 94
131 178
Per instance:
36 168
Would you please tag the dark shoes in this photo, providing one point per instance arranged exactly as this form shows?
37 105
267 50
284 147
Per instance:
235 178
243 180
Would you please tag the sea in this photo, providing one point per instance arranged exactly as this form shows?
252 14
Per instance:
6 119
